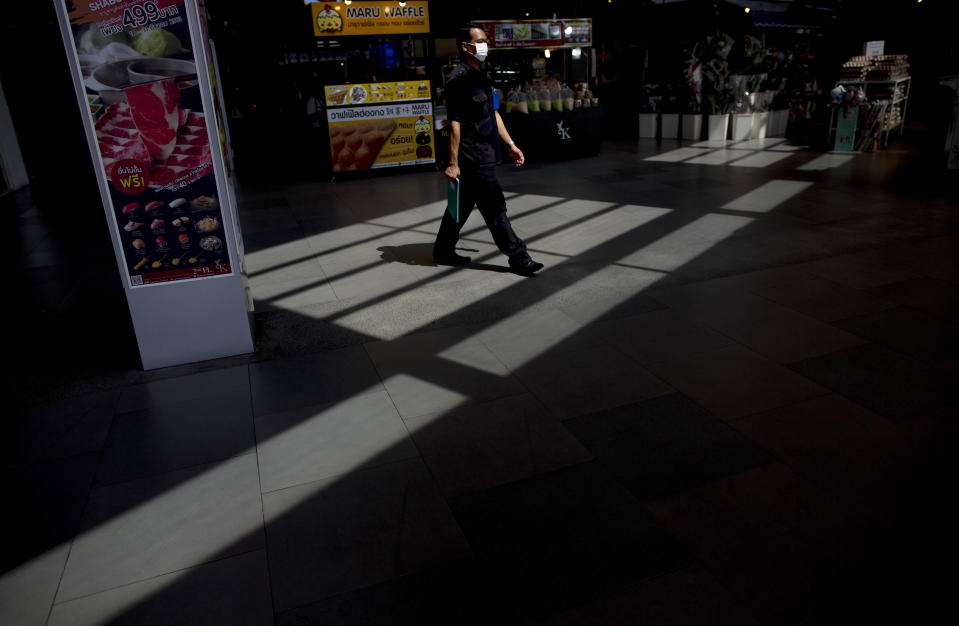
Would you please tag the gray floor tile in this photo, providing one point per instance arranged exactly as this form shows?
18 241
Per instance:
681 240
333 536
826 162
440 370
665 445
298 265
440 596
175 436
27 591
935 297
889 383
908 331
778 544
235 590
734 382
48 498
767 197
141 529
768 328
607 541
588 379
841 447
860 271
263 249
183 388
369 278
58 430
822 299
521 338
605 293
657 336
344 243
287 294
934 258
265 219
687 597
754 281
284 267
492 443
880 222
312 443
322 378
44 505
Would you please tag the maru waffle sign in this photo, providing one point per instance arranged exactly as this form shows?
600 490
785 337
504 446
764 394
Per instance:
337 19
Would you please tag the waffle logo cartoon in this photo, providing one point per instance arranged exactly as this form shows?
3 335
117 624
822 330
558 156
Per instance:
329 21
422 125
422 128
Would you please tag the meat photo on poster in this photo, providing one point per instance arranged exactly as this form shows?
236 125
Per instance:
142 88
143 92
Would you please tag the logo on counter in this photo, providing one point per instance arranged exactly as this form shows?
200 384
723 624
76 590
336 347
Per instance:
563 132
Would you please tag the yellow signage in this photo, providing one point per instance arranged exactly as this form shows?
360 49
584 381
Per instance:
364 138
338 19
376 93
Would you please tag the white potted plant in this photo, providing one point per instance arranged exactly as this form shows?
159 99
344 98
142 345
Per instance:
741 118
741 122
779 114
647 125
717 120
760 123
693 122
648 116
693 109
757 105
742 126
669 118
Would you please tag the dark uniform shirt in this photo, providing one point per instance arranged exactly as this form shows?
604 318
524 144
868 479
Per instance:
469 101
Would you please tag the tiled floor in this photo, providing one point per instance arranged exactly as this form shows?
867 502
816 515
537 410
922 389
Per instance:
730 398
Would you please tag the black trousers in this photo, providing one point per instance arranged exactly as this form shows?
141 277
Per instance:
479 187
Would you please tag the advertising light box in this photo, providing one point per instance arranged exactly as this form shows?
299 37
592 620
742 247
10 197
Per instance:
338 19
375 125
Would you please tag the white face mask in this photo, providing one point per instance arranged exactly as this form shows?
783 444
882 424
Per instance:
482 50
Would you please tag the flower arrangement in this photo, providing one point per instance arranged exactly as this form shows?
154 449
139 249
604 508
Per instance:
694 81
651 102
714 73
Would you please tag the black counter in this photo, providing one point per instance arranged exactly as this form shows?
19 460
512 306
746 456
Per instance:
551 135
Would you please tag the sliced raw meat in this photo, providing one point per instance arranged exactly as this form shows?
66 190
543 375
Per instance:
116 140
164 174
192 150
120 133
153 107
119 138
193 140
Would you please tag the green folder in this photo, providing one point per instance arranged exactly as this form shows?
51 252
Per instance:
453 199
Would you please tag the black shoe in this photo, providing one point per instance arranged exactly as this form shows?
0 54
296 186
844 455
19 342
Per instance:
526 267
451 259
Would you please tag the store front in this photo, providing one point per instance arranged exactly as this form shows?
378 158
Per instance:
545 68
379 114
542 70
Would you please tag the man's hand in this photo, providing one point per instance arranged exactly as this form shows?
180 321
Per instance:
517 155
452 172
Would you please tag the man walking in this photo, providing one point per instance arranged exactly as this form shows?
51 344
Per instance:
476 129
